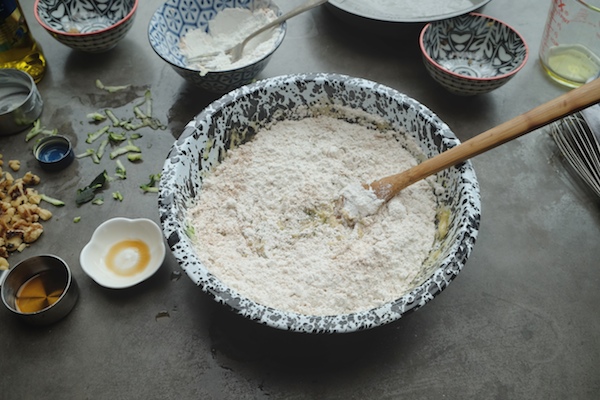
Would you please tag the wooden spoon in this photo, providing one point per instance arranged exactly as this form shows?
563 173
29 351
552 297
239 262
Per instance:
568 103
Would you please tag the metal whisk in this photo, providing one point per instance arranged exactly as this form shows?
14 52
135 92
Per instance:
578 138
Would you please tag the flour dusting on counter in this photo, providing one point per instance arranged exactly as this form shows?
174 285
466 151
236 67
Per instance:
205 50
265 224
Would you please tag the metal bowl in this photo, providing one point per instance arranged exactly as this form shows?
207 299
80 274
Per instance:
55 294
207 138
20 101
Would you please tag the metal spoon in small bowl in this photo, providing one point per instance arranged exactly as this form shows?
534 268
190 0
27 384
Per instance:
235 53
361 203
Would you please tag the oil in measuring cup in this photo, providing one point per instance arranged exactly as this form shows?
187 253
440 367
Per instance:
570 49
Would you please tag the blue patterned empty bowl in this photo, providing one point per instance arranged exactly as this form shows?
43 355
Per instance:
175 18
472 54
251 110
93 26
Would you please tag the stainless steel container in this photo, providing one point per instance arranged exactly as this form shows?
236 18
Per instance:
20 101
39 290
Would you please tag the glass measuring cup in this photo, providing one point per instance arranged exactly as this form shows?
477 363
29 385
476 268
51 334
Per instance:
570 48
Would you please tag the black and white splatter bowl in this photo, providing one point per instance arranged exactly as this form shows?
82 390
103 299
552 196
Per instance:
93 26
207 138
472 54
175 18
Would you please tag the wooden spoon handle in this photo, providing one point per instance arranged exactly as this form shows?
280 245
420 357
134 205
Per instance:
568 103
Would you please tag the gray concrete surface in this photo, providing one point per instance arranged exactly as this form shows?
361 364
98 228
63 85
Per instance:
520 322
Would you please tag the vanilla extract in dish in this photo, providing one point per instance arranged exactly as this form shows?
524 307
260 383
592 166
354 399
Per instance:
128 257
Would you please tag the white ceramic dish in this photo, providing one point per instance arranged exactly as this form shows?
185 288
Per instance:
123 252
407 11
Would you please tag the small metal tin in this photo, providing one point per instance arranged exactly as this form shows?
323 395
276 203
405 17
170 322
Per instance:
54 153
20 101
55 295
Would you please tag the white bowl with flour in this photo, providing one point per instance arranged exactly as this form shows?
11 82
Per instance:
207 49
381 286
179 30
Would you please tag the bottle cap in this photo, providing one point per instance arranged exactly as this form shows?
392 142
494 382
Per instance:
54 153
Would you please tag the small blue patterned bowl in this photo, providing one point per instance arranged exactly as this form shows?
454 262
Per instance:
175 18
93 26
472 54
206 140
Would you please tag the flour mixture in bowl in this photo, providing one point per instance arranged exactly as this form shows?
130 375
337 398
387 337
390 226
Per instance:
247 204
265 223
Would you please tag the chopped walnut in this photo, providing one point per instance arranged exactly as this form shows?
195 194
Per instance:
20 212
31 179
15 165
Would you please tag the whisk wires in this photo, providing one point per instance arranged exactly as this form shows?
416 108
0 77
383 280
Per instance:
580 147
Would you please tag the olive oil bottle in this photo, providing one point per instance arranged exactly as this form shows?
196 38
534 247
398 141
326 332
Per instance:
18 48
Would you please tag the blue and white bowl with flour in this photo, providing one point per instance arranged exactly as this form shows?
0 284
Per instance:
198 21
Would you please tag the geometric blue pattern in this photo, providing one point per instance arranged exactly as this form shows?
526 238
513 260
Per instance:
86 25
473 53
175 18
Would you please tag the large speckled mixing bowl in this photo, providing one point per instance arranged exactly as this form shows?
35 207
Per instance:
243 112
